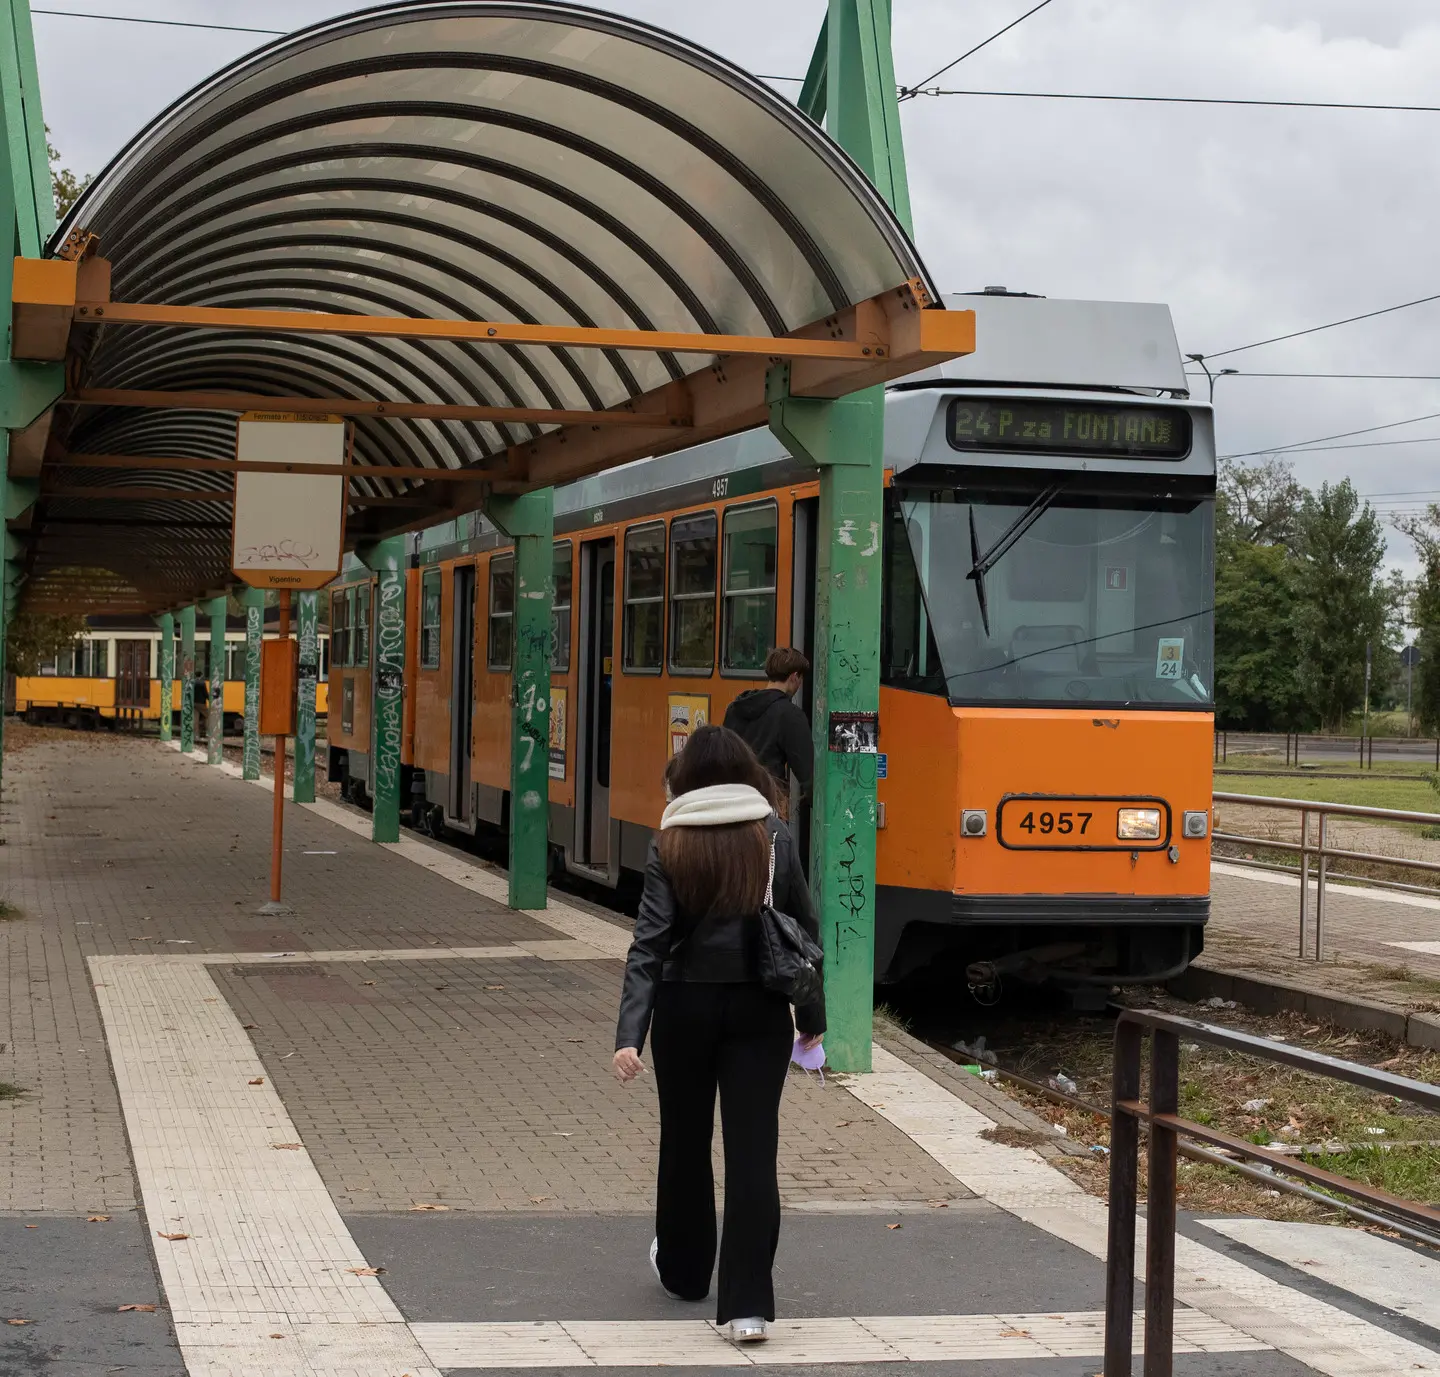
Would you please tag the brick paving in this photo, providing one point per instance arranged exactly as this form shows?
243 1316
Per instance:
430 1085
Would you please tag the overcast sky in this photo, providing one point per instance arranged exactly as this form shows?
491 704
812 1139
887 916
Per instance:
1248 222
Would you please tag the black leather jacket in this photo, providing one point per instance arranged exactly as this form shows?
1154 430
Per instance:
668 945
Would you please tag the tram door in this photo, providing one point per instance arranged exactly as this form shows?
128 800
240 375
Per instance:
802 635
132 674
597 651
462 689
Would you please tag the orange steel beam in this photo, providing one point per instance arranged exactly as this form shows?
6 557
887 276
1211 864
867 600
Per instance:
346 406
414 473
470 331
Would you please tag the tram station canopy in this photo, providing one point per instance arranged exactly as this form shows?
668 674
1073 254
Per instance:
502 236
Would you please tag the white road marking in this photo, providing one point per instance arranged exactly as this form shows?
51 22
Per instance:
1425 948
265 1249
1271 877
869 1339
1020 1181
1401 1279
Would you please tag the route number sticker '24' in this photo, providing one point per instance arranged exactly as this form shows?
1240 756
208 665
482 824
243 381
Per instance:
1169 657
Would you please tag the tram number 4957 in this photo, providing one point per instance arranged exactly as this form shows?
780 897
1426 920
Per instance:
1064 823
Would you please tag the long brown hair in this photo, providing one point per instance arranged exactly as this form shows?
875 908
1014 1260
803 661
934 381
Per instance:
722 870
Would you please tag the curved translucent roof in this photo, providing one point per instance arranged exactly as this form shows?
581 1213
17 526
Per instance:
519 162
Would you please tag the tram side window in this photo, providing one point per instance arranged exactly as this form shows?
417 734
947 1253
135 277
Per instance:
560 609
751 537
693 549
322 656
644 598
339 627
360 627
500 651
430 620
908 655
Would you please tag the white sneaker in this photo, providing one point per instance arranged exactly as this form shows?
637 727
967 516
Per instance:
751 1331
655 1267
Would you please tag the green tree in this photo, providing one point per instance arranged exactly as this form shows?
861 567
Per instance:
1424 614
31 638
1256 654
65 184
1256 650
1341 600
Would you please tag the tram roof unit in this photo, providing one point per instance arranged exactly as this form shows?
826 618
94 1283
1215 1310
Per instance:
1067 349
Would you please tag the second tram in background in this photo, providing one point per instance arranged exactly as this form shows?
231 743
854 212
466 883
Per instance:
1044 768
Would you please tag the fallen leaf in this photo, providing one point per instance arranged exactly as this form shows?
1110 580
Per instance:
364 1271
148 1309
286 1147
367 982
19 1321
539 1199
32 1226
939 1204
414 1208
894 1226
97 1218
173 1238
277 1336
494 987
1014 1333
259 1080
248 1026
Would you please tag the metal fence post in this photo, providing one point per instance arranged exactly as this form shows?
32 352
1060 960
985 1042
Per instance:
1124 1176
1160 1206
1304 875
1320 892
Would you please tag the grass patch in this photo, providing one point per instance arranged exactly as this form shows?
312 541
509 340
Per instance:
1411 794
1273 763
1412 1173
8 910
10 1092
890 1020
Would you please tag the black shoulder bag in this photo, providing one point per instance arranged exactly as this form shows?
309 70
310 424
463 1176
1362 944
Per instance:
790 959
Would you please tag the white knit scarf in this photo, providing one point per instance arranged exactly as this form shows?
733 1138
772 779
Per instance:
717 804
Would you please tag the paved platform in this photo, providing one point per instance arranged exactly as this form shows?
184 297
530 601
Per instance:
382 1138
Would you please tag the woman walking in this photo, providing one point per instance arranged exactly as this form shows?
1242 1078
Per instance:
693 969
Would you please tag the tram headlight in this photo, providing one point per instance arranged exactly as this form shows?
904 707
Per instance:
1138 824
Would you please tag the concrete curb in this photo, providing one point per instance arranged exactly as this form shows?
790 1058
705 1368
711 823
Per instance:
1267 995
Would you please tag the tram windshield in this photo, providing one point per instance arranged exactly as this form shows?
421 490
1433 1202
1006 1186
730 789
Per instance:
1053 594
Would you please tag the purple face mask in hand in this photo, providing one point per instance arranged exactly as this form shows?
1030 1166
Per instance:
812 1060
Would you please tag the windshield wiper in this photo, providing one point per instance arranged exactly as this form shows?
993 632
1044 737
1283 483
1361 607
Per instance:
983 564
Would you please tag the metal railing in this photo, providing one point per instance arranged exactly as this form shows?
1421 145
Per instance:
1322 852
1161 1116
1319 747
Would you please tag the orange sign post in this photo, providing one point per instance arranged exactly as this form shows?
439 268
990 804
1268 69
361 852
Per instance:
289 533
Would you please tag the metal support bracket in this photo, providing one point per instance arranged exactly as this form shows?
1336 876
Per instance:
822 432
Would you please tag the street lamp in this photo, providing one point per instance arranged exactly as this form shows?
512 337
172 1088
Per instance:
1213 378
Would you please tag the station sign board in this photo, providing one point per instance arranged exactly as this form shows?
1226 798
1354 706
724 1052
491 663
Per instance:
290 526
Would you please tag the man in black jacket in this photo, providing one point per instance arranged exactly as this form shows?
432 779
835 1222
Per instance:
773 727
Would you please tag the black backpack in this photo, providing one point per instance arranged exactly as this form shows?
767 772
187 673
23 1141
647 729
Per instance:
791 962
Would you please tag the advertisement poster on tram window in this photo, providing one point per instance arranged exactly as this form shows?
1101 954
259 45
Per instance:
1169 656
557 732
687 712
855 733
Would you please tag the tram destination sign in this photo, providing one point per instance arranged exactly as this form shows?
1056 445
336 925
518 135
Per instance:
1019 425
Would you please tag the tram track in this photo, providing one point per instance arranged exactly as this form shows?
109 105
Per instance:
1195 1152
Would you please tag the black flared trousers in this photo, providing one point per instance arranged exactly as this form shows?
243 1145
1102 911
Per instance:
737 1039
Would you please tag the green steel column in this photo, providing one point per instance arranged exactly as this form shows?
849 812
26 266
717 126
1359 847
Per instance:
187 679
254 600
309 624
530 522
166 671
851 86
215 716
388 559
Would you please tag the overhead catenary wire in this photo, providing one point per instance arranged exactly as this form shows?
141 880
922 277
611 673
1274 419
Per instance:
1263 103
1364 377
1329 325
909 92
1339 435
164 23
